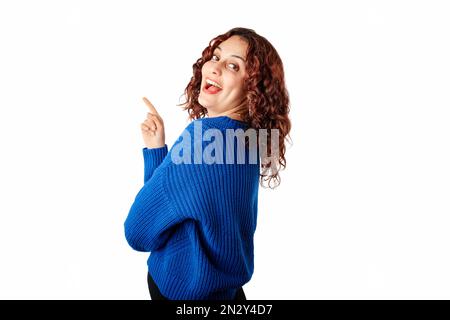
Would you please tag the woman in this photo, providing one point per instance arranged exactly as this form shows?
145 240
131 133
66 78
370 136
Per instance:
196 212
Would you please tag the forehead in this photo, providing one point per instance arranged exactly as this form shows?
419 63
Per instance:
234 45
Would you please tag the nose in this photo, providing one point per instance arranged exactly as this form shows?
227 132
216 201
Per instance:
216 68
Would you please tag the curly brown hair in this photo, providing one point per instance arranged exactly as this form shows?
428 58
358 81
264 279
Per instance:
266 96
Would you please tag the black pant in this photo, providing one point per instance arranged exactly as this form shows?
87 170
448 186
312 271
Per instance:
155 294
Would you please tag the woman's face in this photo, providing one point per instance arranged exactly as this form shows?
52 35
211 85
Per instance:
226 68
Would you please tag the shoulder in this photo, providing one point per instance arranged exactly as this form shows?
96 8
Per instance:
216 141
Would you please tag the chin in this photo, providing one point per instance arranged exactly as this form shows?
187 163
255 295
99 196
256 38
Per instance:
203 103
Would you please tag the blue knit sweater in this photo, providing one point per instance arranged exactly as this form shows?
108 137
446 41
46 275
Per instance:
197 220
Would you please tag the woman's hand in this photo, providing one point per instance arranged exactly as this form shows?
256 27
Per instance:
153 128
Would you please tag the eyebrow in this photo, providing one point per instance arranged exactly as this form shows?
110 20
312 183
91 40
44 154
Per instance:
233 55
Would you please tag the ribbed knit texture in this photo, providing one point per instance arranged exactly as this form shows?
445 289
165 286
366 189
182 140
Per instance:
197 220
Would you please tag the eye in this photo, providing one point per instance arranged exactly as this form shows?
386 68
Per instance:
236 68
216 58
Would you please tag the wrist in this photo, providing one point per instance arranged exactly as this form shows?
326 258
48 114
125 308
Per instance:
158 146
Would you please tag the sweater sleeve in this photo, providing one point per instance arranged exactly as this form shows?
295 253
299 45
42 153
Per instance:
152 159
151 219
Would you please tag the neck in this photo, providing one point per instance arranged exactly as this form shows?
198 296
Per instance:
232 113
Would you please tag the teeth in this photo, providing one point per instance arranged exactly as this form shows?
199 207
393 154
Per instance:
215 84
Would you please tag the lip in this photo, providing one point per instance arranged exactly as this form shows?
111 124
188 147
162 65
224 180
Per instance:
204 87
206 91
207 78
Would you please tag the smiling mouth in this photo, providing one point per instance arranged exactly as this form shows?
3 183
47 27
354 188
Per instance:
211 89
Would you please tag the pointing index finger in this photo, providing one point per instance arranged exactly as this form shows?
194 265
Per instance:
150 106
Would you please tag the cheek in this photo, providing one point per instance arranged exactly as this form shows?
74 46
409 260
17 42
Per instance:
205 66
236 85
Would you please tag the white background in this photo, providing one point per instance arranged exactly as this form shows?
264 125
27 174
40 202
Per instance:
362 211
